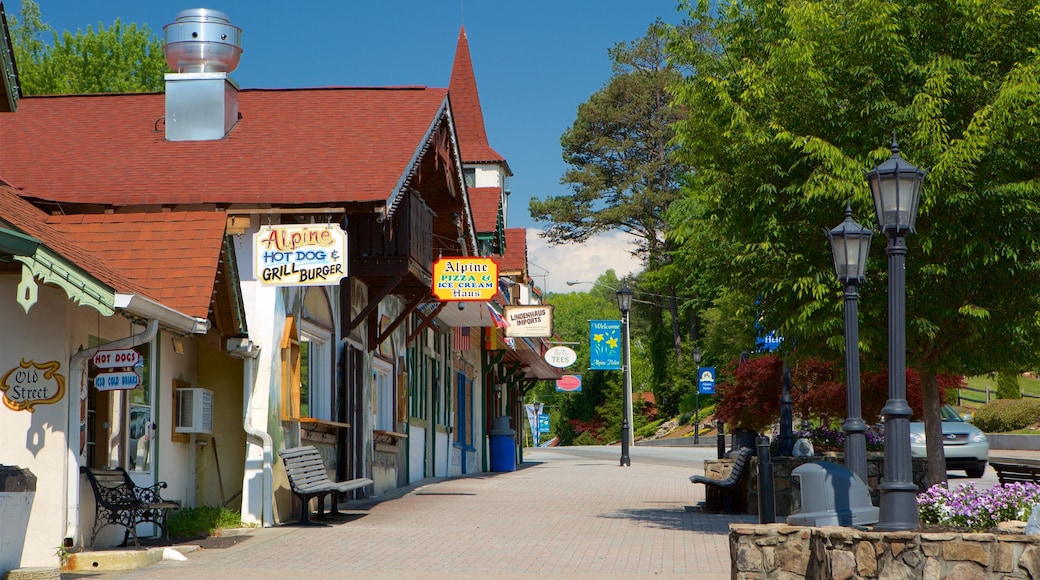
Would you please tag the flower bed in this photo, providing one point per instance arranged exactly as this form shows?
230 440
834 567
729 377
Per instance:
967 506
954 541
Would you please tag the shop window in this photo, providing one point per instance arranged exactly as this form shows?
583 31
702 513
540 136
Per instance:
307 365
383 390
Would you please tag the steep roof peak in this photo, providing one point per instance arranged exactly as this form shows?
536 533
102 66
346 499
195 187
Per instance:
465 104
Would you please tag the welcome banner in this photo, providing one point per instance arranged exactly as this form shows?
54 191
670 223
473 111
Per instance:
605 341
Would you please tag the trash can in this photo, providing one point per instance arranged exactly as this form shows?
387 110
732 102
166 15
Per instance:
503 445
17 490
831 495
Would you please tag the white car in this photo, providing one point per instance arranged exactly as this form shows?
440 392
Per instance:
964 445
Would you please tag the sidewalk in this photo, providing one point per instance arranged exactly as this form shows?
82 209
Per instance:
558 515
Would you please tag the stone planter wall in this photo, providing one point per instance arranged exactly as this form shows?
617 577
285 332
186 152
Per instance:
767 551
786 502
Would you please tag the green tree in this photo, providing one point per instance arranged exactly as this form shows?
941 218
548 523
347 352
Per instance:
790 104
620 166
622 176
118 59
1007 385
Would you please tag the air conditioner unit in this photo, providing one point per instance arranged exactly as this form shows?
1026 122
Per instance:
194 411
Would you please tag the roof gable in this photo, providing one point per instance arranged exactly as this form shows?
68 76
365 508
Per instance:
487 207
515 256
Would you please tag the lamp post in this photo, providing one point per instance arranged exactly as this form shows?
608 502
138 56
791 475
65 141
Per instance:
624 300
896 188
850 245
697 399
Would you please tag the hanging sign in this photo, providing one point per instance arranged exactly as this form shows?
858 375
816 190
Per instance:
300 255
117 381
568 384
605 345
111 359
32 383
529 321
560 356
465 279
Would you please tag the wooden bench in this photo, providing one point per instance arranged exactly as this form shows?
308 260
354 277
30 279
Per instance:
726 494
119 501
308 478
1016 472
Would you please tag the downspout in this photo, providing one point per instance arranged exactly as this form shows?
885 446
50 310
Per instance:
248 352
76 374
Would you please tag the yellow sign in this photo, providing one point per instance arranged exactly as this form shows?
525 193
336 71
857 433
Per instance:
465 279
32 383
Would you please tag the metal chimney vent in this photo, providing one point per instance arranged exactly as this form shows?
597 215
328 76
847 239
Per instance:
201 100
202 40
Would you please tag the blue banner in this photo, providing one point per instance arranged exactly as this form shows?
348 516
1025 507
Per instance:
706 380
605 341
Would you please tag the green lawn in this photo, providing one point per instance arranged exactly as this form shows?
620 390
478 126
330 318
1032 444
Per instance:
1028 385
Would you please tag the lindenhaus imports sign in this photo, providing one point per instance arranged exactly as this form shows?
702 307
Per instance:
529 321
300 255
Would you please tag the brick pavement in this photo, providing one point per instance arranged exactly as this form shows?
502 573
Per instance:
558 515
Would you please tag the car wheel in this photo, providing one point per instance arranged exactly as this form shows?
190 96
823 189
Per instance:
977 471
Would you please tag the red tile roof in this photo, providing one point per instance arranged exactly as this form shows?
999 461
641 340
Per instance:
515 258
174 255
486 203
465 107
27 219
289 147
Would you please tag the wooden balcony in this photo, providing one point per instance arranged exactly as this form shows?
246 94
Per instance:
397 250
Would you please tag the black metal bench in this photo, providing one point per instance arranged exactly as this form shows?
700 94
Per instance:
726 494
1016 472
308 478
119 501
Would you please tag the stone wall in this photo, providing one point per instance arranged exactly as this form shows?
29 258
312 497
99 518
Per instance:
766 551
786 501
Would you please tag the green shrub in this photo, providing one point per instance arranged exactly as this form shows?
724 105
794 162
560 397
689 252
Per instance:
1002 415
1007 386
202 520
649 429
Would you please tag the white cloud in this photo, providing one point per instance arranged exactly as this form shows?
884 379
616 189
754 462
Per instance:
551 266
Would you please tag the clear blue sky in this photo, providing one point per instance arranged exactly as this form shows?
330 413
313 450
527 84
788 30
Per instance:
535 60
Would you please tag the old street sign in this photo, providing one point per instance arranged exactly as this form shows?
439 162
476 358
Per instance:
32 383
300 255
465 279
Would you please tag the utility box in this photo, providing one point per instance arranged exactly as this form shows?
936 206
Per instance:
831 495
17 490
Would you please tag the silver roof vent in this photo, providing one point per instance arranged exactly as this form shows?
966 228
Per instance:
202 40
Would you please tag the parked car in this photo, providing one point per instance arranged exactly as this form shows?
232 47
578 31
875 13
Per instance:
964 445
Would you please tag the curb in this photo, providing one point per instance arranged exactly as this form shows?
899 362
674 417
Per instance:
121 560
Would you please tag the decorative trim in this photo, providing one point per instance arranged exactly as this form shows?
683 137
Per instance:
81 289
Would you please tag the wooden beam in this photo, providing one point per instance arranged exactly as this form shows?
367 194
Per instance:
373 302
427 320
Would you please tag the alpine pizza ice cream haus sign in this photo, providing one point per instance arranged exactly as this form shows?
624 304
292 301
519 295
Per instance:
300 255
465 279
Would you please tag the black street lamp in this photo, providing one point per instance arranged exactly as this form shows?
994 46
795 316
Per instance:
896 188
624 301
697 399
850 245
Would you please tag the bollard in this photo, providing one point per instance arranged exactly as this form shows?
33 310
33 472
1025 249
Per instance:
766 500
721 439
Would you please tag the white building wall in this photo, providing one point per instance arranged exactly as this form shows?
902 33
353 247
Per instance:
37 440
